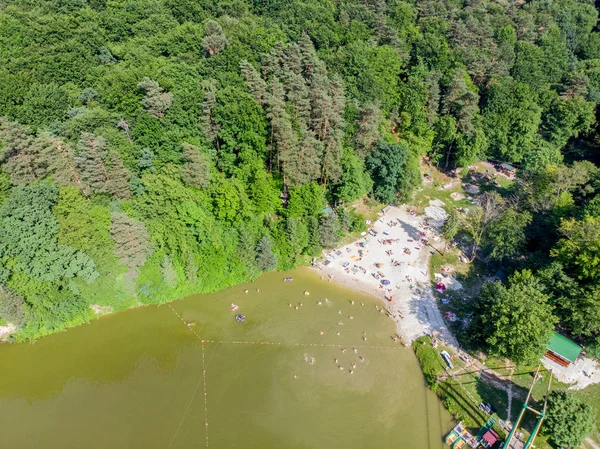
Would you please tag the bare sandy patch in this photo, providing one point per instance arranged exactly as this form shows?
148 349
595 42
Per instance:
6 331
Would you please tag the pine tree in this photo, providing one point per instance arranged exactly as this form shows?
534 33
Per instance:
125 127
207 124
191 269
368 129
305 110
132 246
14 137
21 153
214 40
246 251
168 272
88 94
265 258
145 161
11 306
90 158
118 184
329 230
462 101
312 65
309 157
332 139
433 99
298 96
63 166
283 136
156 102
256 85
195 170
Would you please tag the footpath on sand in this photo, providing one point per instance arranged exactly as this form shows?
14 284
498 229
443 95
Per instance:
394 264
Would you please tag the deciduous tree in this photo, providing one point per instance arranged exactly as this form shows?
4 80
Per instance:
515 322
569 419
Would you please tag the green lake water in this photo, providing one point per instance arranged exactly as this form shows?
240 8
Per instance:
138 379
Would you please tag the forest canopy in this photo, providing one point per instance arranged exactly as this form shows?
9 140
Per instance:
155 148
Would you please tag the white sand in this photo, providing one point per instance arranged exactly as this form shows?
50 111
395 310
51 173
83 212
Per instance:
413 307
6 330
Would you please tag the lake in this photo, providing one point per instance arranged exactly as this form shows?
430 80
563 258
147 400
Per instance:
281 379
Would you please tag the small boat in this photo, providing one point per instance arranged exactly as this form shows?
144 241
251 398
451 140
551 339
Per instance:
451 438
460 443
240 318
385 282
288 279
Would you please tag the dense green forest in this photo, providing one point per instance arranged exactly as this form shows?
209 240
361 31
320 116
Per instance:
155 148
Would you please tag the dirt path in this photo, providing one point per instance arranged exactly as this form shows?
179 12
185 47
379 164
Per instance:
591 443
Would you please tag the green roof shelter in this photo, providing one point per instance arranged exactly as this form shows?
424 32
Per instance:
562 350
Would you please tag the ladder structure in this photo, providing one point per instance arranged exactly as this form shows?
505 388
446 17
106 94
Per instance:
514 443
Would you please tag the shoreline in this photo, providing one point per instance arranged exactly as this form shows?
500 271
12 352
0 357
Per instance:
403 259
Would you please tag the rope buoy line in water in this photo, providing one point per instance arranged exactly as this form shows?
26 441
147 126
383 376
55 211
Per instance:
203 382
274 343
320 345
205 395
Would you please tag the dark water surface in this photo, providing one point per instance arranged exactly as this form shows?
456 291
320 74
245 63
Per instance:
138 379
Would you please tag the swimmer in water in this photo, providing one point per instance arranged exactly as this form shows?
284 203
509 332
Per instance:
353 365
321 332
339 312
338 334
341 368
335 360
361 358
351 317
319 303
301 304
364 338
351 372
362 303
246 291
289 304
296 307
258 290
343 350
354 350
352 302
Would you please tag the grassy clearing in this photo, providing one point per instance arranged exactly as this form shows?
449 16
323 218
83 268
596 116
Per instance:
367 209
461 393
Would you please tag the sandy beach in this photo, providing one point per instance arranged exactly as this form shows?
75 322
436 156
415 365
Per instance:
398 252
413 304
